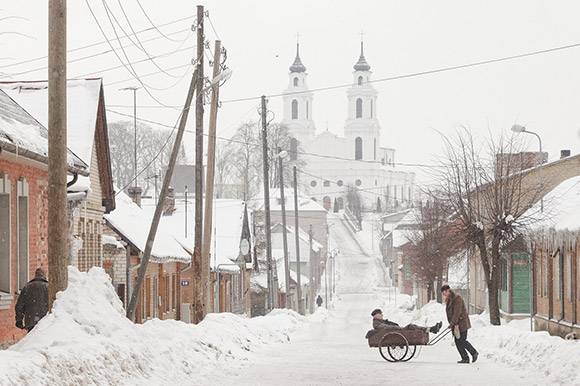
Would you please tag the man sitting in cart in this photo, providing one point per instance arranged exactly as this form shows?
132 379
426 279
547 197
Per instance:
379 322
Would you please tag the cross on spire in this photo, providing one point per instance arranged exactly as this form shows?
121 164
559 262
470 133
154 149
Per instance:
297 66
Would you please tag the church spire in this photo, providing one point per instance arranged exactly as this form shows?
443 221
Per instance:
362 64
297 66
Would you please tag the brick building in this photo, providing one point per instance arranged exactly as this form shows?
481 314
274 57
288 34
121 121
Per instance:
87 138
23 205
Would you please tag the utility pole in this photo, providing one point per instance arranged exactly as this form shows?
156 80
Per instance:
297 239
210 172
267 225
197 263
185 223
58 247
312 271
159 208
284 233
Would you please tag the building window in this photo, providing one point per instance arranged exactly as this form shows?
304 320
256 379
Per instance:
504 274
371 108
360 80
340 203
296 82
359 105
294 109
375 149
358 148
313 183
22 235
293 149
307 110
358 182
326 184
339 182
327 203
4 234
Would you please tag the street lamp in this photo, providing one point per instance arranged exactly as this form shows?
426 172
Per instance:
522 129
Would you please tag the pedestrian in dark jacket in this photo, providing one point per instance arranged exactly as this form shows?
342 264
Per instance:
458 323
319 301
32 303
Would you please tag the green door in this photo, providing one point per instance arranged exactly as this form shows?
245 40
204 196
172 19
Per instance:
520 283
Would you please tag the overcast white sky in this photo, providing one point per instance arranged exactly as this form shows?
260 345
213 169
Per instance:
541 92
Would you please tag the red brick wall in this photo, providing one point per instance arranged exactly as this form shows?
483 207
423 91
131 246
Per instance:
38 212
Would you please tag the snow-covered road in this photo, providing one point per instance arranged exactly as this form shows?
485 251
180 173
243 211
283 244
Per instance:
334 352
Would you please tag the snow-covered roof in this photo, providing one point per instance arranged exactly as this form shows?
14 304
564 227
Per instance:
21 130
305 204
82 106
316 246
133 224
561 207
280 271
228 221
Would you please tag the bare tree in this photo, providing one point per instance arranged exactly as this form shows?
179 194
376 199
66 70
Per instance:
223 168
489 195
153 151
246 158
354 203
433 242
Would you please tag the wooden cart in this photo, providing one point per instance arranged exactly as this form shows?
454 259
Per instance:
399 344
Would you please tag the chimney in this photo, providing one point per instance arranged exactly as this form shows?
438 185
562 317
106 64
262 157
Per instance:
135 192
169 203
564 153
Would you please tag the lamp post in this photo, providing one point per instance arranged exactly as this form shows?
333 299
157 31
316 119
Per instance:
522 129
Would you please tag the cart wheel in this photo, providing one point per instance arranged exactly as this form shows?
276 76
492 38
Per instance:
410 354
396 349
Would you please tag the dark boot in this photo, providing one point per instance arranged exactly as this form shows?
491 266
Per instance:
435 329
475 355
466 360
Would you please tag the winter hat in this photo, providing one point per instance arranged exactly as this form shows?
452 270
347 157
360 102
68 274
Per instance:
376 311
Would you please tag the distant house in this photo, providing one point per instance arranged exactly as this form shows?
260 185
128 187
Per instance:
23 205
230 251
87 137
160 294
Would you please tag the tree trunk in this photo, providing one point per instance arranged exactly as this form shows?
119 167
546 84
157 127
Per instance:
493 299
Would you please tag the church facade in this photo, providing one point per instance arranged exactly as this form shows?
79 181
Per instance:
355 161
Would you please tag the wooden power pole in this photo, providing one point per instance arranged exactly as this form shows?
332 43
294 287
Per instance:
297 239
209 181
57 151
284 233
267 224
312 281
135 295
197 263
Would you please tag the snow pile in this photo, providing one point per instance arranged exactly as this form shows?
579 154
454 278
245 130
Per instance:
87 340
511 343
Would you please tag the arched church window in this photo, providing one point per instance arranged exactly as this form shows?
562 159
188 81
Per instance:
358 182
372 108
358 148
307 110
313 183
293 149
296 82
340 203
375 149
339 182
359 104
360 80
326 184
294 109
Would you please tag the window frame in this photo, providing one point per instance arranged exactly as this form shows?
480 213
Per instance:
358 108
22 191
6 189
294 109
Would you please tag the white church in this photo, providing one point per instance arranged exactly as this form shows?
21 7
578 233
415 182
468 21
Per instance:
357 159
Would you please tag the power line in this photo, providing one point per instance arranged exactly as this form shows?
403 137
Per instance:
95 55
153 24
256 144
151 74
128 67
95 44
416 74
